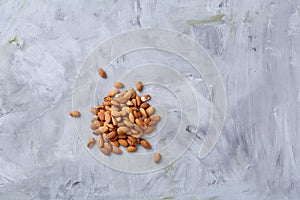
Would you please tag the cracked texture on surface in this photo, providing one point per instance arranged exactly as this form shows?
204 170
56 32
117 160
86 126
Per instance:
255 44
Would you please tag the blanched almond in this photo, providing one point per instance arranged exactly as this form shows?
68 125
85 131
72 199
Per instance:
75 113
128 123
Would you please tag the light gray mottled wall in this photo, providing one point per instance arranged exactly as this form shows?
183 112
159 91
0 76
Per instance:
256 45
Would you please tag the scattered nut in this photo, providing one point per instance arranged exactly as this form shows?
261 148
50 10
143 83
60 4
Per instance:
102 73
139 86
75 113
118 85
145 144
157 157
90 143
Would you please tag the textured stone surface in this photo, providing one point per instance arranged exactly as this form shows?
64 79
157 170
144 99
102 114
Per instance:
256 45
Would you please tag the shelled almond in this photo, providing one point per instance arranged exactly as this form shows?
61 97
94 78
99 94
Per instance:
121 120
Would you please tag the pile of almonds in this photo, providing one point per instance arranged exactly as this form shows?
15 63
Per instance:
122 120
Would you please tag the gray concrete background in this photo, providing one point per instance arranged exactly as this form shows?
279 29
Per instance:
256 46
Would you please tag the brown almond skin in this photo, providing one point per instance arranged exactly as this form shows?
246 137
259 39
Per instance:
139 86
94 111
138 100
150 110
155 117
147 121
107 146
139 122
123 142
157 157
116 150
143 112
111 135
75 113
131 149
145 105
101 115
145 144
101 73
150 129
145 97
118 85
115 143
130 142
105 151
100 141
90 143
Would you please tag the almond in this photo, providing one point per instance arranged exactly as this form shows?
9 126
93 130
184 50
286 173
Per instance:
134 102
113 92
94 119
129 103
101 115
105 151
118 85
95 125
132 139
90 143
157 157
150 110
123 129
143 112
122 136
75 113
139 86
155 117
145 97
131 117
114 121
94 111
130 142
138 100
139 122
131 149
138 128
134 108
150 129
115 143
107 146
116 114
97 132
128 123
116 150
152 123
115 103
106 104
111 135
147 121
145 144
100 141
145 105
138 135
123 142
107 99
101 73
107 117
103 129
133 94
